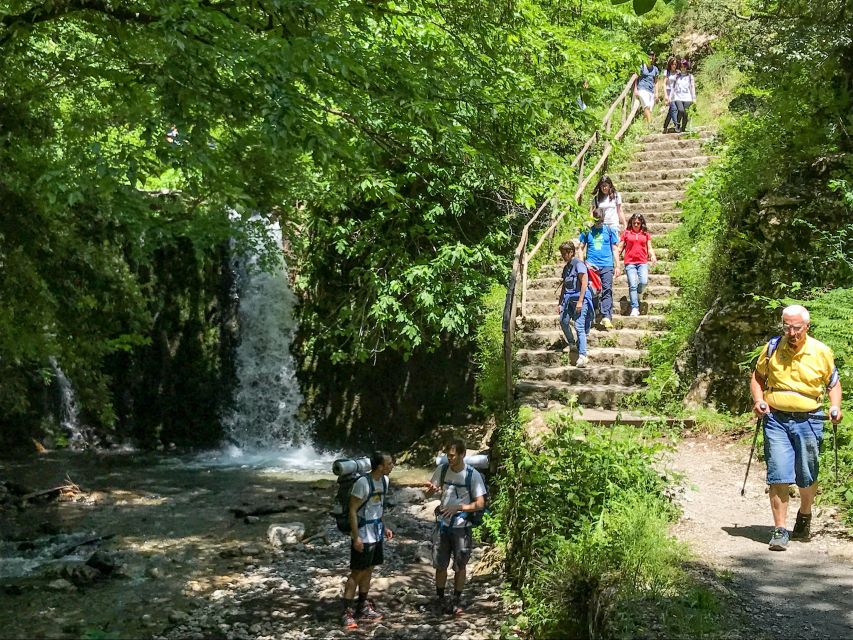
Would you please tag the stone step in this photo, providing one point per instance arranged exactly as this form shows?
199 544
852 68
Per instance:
661 227
597 356
696 134
654 206
532 321
550 276
629 338
652 196
607 396
597 375
542 294
651 174
677 143
667 155
607 417
656 186
621 306
661 164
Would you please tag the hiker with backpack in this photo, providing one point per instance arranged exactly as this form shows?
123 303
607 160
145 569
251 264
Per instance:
367 531
646 86
598 248
463 499
636 249
574 303
788 384
606 198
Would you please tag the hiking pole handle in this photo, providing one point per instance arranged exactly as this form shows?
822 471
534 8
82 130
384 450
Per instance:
833 413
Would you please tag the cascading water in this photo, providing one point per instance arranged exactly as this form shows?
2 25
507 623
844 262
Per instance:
262 426
69 412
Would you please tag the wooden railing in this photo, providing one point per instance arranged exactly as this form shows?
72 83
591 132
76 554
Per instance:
522 257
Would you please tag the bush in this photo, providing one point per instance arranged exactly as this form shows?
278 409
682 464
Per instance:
491 386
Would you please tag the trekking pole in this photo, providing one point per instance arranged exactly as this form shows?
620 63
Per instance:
752 450
834 414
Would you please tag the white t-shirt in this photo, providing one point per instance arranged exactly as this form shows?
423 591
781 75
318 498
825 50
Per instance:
681 89
669 81
455 491
608 207
371 531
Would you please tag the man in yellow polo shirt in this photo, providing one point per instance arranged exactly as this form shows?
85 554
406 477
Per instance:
788 388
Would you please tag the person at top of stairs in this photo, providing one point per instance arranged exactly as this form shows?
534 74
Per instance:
575 301
598 248
683 94
645 86
635 250
606 198
669 76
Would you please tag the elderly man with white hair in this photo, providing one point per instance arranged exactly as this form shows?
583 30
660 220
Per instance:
788 386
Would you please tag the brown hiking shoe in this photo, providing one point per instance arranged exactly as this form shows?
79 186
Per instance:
802 527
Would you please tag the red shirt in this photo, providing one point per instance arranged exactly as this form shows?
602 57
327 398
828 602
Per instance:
636 247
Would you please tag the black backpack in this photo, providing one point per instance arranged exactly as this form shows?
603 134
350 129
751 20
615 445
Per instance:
474 517
340 509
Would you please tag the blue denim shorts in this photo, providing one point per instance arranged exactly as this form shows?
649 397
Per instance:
791 447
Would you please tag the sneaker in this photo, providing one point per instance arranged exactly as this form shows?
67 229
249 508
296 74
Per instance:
634 313
779 539
802 527
369 613
349 620
581 363
458 608
607 324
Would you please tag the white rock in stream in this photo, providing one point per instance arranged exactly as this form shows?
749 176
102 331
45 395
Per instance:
280 535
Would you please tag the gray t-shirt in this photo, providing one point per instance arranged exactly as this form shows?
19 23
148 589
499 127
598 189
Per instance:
373 530
455 491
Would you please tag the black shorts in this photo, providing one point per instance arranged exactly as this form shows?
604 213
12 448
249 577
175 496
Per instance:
370 557
451 542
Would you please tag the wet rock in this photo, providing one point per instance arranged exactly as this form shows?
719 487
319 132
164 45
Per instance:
408 495
280 535
61 584
251 550
154 572
103 562
251 519
178 617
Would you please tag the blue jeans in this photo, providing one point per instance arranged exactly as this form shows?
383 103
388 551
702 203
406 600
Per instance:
606 295
582 321
671 116
638 278
791 447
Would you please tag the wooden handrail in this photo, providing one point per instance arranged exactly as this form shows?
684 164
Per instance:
521 258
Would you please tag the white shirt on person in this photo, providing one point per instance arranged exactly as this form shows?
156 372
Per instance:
682 90
607 205
455 492
370 532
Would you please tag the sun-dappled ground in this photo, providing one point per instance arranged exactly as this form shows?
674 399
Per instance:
182 564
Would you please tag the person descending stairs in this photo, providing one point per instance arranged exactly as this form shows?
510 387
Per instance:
654 185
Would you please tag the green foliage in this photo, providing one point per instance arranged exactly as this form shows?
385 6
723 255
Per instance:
491 380
583 522
399 144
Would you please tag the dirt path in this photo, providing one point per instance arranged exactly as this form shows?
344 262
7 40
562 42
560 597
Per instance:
804 592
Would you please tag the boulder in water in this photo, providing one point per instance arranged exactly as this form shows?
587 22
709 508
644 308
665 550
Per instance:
280 535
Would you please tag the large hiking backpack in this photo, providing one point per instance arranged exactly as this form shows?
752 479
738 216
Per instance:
340 508
474 517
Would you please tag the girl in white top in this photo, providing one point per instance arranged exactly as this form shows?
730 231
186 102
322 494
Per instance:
683 93
606 199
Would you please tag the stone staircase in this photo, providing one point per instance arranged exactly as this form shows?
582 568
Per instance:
653 184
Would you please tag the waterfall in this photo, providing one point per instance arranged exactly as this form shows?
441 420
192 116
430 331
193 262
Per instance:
69 412
264 412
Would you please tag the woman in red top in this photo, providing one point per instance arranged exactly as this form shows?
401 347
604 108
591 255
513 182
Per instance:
635 249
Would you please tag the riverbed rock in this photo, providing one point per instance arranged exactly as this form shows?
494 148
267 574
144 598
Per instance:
61 584
280 535
103 562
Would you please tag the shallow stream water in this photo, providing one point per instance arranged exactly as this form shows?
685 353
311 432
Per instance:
168 523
